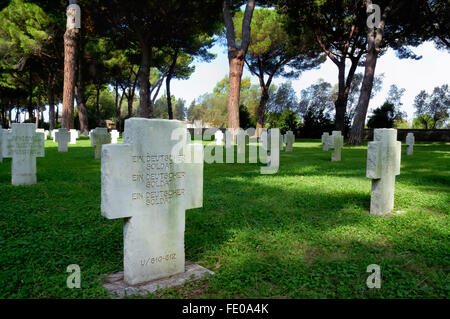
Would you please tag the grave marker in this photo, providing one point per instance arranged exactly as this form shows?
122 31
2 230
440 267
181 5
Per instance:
62 137
23 145
325 141
383 164
290 139
151 180
99 136
336 144
410 143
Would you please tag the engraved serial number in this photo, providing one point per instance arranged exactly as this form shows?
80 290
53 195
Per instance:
159 259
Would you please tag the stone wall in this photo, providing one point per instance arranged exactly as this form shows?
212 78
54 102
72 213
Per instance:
419 135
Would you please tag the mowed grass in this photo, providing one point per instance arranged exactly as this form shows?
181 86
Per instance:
301 233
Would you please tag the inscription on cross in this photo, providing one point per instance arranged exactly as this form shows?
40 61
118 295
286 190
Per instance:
151 180
23 145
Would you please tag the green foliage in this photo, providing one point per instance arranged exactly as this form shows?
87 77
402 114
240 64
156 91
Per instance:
384 116
435 105
305 234
424 122
24 30
401 124
160 108
244 118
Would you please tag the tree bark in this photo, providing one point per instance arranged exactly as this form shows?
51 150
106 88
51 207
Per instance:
51 103
169 77
374 38
236 59
144 85
261 113
70 42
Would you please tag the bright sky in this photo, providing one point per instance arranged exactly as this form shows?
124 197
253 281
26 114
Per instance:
425 74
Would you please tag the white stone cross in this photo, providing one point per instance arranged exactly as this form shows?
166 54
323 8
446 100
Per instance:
62 137
218 136
410 143
383 164
23 145
114 136
325 141
336 144
151 179
290 139
99 136
73 136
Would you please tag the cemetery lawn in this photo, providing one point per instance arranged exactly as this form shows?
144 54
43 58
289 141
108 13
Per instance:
301 233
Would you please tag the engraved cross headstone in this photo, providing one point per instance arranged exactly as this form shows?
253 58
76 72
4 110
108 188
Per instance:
325 141
145 181
62 137
99 136
23 145
336 144
290 139
410 143
383 164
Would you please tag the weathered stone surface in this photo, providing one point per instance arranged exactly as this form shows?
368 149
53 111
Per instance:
410 143
241 141
151 180
74 134
336 144
118 287
99 136
325 141
383 164
23 145
62 137
282 139
114 136
290 139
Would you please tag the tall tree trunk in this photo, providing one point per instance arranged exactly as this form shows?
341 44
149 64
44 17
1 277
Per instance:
70 41
80 88
51 105
169 77
261 113
374 38
340 104
97 105
236 59
144 84
30 97
236 67
57 115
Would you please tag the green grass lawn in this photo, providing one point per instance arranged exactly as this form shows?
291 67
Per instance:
301 233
